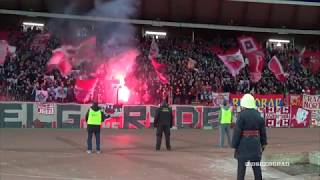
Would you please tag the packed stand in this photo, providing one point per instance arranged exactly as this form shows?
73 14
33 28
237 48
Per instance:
25 73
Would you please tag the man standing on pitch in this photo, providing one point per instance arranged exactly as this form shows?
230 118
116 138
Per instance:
163 121
94 118
225 119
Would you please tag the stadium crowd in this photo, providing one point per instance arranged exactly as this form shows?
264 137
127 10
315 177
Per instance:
21 75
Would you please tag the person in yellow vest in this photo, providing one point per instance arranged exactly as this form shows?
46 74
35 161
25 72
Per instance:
225 119
94 118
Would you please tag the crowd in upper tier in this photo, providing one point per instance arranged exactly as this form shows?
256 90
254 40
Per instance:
21 75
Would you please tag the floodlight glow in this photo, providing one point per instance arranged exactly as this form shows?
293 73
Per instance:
33 24
156 33
279 40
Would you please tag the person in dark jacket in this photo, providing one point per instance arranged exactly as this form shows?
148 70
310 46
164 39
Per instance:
249 138
94 118
163 121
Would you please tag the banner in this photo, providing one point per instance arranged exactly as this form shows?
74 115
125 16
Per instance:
300 118
295 100
311 102
60 92
244 85
45 108
34 115
261 100
315 118
277 116
41 96
218 98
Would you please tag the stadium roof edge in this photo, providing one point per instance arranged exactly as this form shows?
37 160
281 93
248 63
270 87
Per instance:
160 23
289 2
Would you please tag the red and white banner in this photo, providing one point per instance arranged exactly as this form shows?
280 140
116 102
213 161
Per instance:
315 118
276 68
277 116
300 118
311 102
41 96
40 41
262 100
233 61
256 64
45 108
218 98
295 100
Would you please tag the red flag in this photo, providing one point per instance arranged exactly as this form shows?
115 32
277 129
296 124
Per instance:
3 51
248 44
40 41
60 61
276 68
84 89
234 62
217 50
86 49
311 60
154 50
160 70
3 35
256 63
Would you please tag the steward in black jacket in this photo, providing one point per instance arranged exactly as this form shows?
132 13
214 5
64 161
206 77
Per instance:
163 121
249 138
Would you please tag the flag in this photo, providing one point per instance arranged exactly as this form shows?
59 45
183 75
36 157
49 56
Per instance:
234 62
154 50
158 67
3 35
3 51
40 41
311 60
276 68
248 44
41 96
84 89
60 61
86 50
160 70
256 63
217 50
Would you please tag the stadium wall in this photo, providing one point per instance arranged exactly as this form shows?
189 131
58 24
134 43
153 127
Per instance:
300 111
